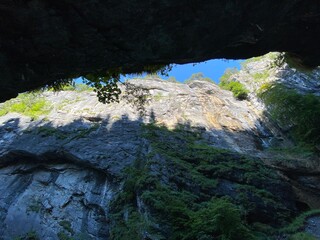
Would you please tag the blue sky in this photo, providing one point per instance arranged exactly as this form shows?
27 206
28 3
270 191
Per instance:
213 69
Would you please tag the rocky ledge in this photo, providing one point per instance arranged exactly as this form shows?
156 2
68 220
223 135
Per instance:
84 170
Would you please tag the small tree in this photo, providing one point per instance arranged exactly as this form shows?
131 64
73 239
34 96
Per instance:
198 76
227 74
172 79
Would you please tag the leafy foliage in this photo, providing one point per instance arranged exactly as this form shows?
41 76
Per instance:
301 112
183 201
198 76
106 84
228 73
295 61
261 76
299 221
302 236
219 217
152 76
78 87
29 104
137 97
28 236
172 79
237 88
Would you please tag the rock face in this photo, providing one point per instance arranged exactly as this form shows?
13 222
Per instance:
44 41
91 171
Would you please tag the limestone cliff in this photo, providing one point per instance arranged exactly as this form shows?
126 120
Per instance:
84 170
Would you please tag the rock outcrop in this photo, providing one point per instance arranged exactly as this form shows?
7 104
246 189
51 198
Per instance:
86 170
45 41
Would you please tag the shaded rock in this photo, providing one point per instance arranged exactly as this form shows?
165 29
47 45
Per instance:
41 42
87 169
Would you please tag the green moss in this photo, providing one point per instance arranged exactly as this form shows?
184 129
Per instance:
299 222
63 236
300 151
289 108
29 104
172 79
67 226
3 111
128 224
295 61
72 86
198 76
82 133
260 76
68 102
158 97
302 236
238 89
180 195
228 73
265 196
29 236
152 76
127 221
48 131
218 217
34 206
62 134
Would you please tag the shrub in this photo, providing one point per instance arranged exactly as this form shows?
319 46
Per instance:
29 104
198 76
299 111
298 223
152 76
81 87
219 218
28 236
227 74
302 236
237 88
295 61
261 76
172 79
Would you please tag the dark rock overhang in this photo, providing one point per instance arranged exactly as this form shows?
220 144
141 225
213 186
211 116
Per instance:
42 41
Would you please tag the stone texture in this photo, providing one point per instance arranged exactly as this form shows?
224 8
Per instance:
42 196
44 41
60 173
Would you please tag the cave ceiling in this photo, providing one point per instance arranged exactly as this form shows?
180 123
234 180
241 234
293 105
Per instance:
42 41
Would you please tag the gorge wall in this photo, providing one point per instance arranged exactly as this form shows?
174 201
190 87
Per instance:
74 168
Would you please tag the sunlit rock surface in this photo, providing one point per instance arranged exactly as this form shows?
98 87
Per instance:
60 173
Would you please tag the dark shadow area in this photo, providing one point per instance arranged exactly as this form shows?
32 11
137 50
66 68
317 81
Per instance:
169 173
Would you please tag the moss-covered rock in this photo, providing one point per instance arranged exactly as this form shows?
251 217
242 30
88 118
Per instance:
178 191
